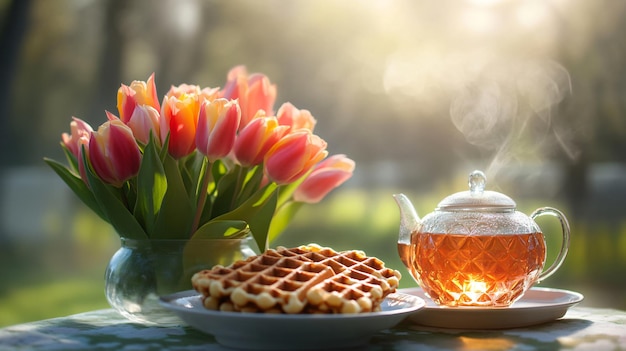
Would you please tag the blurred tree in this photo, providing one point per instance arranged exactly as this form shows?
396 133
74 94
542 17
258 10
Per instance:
595 54
15 26
109 72
333 60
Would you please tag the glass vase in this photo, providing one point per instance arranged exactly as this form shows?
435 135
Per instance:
143 270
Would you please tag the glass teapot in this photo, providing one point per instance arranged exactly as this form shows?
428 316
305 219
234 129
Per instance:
476 249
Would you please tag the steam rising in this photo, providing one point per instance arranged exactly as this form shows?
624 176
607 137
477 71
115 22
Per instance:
507 110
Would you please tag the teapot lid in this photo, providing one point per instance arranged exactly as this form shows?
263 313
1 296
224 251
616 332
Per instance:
477 198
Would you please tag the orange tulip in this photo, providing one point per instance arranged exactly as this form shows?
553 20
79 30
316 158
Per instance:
255 139
137 94
293 156
79 129
289 115
218 123
202 94
179 118
183 89
114 153
326 176
254 92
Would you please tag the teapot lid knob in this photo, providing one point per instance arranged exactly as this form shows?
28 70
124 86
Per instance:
477 181
477 198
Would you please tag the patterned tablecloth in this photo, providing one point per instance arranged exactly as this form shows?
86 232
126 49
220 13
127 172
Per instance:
580 329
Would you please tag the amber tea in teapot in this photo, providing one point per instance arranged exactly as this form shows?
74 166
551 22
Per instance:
475 249
492 270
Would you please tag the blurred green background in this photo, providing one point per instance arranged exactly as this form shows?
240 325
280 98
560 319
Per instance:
418 93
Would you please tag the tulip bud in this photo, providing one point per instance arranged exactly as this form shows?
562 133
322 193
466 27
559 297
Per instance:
114 153
179 118
79 129
293 156
326 176
201 94
183 89
137 94
289 115
209 94
254 92
145 120
218 123
83 144
255 140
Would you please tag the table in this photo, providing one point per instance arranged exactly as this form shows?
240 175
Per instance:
582 328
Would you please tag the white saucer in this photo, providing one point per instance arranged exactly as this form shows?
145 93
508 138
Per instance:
538 305
290 331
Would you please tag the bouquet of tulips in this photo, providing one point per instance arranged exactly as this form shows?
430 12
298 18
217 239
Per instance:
201 162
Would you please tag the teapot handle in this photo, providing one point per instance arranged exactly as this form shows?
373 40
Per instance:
566 238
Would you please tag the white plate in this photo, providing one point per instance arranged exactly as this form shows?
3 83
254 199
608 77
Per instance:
290 331
537 305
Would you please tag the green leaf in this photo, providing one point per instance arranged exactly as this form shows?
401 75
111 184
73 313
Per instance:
258 211
164 149
186 174
203 199
151 187
176 214
71 159
252 183
117 214
220 229
195 167
201 177
78 186
130 196
286 191
282 218
218 171
226 189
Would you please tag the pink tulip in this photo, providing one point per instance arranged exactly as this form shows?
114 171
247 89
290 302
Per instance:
83 143
114 153
137 94
209 94
326 176
79 129
255 140
254 92
289 115
145 120
179 118
293 156
218 123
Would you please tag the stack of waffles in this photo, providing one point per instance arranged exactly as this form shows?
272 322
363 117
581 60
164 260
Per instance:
304 279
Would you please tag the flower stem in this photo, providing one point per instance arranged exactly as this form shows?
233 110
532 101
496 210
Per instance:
202 196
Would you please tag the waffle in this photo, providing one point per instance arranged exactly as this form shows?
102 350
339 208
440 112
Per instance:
360 286
305 279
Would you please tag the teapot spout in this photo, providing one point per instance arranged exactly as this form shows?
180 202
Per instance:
409 220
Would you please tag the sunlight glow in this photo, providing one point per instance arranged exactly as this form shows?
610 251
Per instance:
485 343
485 2
403 76
479 20
184 16
532 13
476 286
